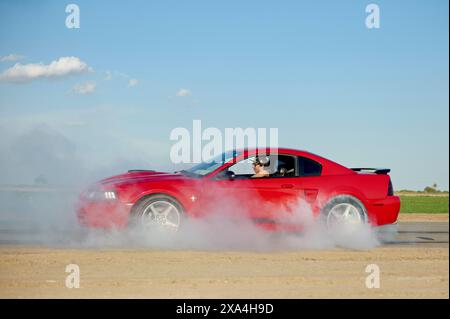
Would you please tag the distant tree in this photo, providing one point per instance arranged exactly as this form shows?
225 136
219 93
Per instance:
431 189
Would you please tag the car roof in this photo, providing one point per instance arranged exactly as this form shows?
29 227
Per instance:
329 166
276 150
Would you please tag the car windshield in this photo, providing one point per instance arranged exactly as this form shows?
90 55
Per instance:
209 166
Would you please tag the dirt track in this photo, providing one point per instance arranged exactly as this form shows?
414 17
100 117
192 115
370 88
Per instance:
423 218
405 272
409 271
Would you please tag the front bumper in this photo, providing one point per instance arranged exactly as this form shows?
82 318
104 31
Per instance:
103 214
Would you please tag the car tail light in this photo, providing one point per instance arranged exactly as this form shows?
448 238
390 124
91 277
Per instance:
390 189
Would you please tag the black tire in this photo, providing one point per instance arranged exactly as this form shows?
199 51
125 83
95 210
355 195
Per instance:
141 208
343 199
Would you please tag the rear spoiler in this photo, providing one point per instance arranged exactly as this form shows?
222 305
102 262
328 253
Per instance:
382 171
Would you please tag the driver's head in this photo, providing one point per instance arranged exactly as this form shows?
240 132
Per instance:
260 162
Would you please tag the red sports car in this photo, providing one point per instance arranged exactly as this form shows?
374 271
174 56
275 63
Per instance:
264 186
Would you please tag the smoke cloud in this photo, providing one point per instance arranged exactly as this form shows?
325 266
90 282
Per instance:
42 173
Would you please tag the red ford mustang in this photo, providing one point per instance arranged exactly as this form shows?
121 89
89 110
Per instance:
228 185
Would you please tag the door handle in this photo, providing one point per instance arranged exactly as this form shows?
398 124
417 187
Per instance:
287 186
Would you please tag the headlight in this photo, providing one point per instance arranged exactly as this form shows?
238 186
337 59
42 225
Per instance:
101 195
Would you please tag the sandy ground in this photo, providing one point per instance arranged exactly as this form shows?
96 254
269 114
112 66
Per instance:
423 217
406 271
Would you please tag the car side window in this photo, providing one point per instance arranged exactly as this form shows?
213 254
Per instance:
280 166
285 166
309 167
243 168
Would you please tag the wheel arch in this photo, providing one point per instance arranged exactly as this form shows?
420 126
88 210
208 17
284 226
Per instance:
329 204
153 193
344 191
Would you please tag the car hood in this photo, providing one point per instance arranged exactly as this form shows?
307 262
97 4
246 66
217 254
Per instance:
134 176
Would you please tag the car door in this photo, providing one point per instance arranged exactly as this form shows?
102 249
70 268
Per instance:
308 182
266 198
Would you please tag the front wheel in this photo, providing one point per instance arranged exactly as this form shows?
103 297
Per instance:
159 211
344 210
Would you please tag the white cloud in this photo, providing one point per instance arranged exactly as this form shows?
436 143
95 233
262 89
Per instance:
11 57
85 88
122 74
108 76
27 72
183 92
132 82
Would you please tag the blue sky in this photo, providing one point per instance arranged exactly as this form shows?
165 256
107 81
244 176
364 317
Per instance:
362 97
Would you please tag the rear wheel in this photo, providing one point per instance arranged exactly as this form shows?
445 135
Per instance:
344 210
160 211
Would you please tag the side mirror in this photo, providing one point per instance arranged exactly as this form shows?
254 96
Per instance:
230 175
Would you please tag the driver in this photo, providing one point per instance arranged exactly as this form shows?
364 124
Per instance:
259 165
